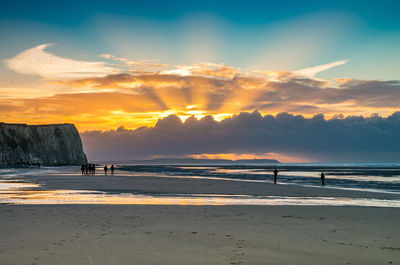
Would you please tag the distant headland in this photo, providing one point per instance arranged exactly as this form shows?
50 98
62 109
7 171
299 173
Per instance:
191 161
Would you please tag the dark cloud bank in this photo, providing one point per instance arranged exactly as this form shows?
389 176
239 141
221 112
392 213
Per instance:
355 138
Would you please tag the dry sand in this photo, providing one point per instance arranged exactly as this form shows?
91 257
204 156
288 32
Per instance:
80 234
150 234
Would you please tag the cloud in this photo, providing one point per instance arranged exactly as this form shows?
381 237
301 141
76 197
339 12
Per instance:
312 71
238 93
140 96
36 61
135 100
354 138
205 70
136 64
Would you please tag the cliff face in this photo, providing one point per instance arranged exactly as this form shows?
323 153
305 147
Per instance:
50 145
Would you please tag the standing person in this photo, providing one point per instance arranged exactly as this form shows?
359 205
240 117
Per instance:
105 169
275 175
112 169
83 169
322 179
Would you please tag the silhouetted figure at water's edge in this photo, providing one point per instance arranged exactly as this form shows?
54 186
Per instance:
93 169
112 169
105 169
322 179
275 175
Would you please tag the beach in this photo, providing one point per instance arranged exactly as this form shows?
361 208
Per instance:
126 233
84 234
199 132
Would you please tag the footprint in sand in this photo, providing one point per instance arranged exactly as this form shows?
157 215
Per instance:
238 252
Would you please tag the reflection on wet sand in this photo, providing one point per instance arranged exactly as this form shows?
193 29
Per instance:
12 186
20 195
13 190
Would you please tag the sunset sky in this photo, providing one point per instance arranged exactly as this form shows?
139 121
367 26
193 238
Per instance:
111 67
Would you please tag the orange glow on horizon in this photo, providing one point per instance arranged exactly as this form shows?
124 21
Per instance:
104 119
283 158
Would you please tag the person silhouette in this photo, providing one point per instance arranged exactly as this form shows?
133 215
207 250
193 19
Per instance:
275 175
83 169
322 179
105 169
112 169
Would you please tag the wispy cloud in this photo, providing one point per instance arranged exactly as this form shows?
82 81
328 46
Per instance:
312 71
135 64
204 69
37 61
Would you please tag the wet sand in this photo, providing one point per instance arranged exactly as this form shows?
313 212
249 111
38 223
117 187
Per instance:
166 234
124 182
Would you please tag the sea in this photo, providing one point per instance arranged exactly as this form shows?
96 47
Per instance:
377 178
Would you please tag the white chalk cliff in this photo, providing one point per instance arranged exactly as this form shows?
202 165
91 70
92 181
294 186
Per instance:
48 145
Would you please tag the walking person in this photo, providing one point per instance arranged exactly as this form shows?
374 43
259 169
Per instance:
275 175
112 169
322 179
105 169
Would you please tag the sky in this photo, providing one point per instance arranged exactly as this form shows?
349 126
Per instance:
119 69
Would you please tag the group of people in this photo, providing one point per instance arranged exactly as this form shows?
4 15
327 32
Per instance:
276 177
112 168
88 169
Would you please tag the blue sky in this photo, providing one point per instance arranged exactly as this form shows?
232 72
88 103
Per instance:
264 35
